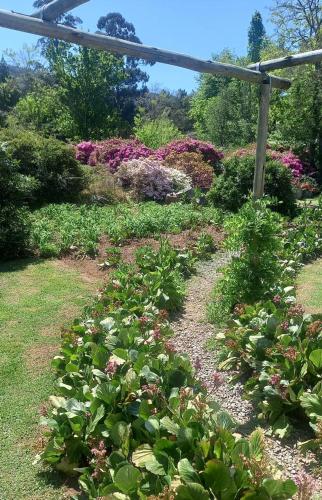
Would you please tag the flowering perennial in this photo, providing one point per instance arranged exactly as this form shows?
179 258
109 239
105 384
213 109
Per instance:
111 152
148 179
192 164
207 150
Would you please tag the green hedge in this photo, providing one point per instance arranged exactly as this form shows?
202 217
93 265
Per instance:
49 162
231 189
14 219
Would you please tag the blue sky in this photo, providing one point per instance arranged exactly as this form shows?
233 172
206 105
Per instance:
196 27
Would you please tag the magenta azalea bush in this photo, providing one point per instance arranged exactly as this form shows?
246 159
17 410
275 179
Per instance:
290 160
148 179
112 152
287 158
84 151
187 145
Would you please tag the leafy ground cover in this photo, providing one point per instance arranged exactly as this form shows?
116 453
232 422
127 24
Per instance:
129 414
36 298
56 229
274 343
309 287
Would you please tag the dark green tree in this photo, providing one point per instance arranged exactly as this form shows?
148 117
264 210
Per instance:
4 70
173 105
87 80
299 28
256 37
135 79
224 110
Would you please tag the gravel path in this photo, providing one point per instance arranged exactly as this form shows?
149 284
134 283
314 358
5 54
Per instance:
192 331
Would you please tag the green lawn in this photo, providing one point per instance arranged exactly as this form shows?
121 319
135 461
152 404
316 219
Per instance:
309 292
36 298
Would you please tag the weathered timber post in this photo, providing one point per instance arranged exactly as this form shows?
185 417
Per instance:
262 133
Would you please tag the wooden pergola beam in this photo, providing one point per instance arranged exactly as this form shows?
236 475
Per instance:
56 8
311 57
29 24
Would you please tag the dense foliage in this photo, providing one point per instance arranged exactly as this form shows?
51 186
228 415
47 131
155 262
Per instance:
172 105
231 189
254 237
287 158
192 164
208 152
112 152
15 189
66 228
256 37
224 110
156 133
130 416
148 179
47 162
275 343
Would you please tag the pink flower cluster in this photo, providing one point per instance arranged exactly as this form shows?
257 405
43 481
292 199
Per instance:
207 150
112 152
84 151
287 158
290 160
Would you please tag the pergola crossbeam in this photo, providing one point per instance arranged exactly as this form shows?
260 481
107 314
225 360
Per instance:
29 24
56 8
311 57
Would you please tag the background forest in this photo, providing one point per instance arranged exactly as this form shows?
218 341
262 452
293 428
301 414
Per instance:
74 93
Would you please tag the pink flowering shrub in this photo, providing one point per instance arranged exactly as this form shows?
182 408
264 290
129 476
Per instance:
112 152
148 179
83 151
287 158
208 152
290 160
192 164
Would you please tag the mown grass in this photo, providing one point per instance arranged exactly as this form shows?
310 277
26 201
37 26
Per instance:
36 298
309 287
57 228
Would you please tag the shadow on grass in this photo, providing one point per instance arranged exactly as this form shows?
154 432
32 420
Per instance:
57 480
11 266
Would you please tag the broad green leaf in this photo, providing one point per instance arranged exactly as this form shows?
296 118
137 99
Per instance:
144 411
106 392
120 433
256 443
57 401
115 458
217 476
155 467
127 478
316 358
312 403
152 425
141 455
107 323
121 353
187 472
278 489
100 356
170 426
281 427
191 491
